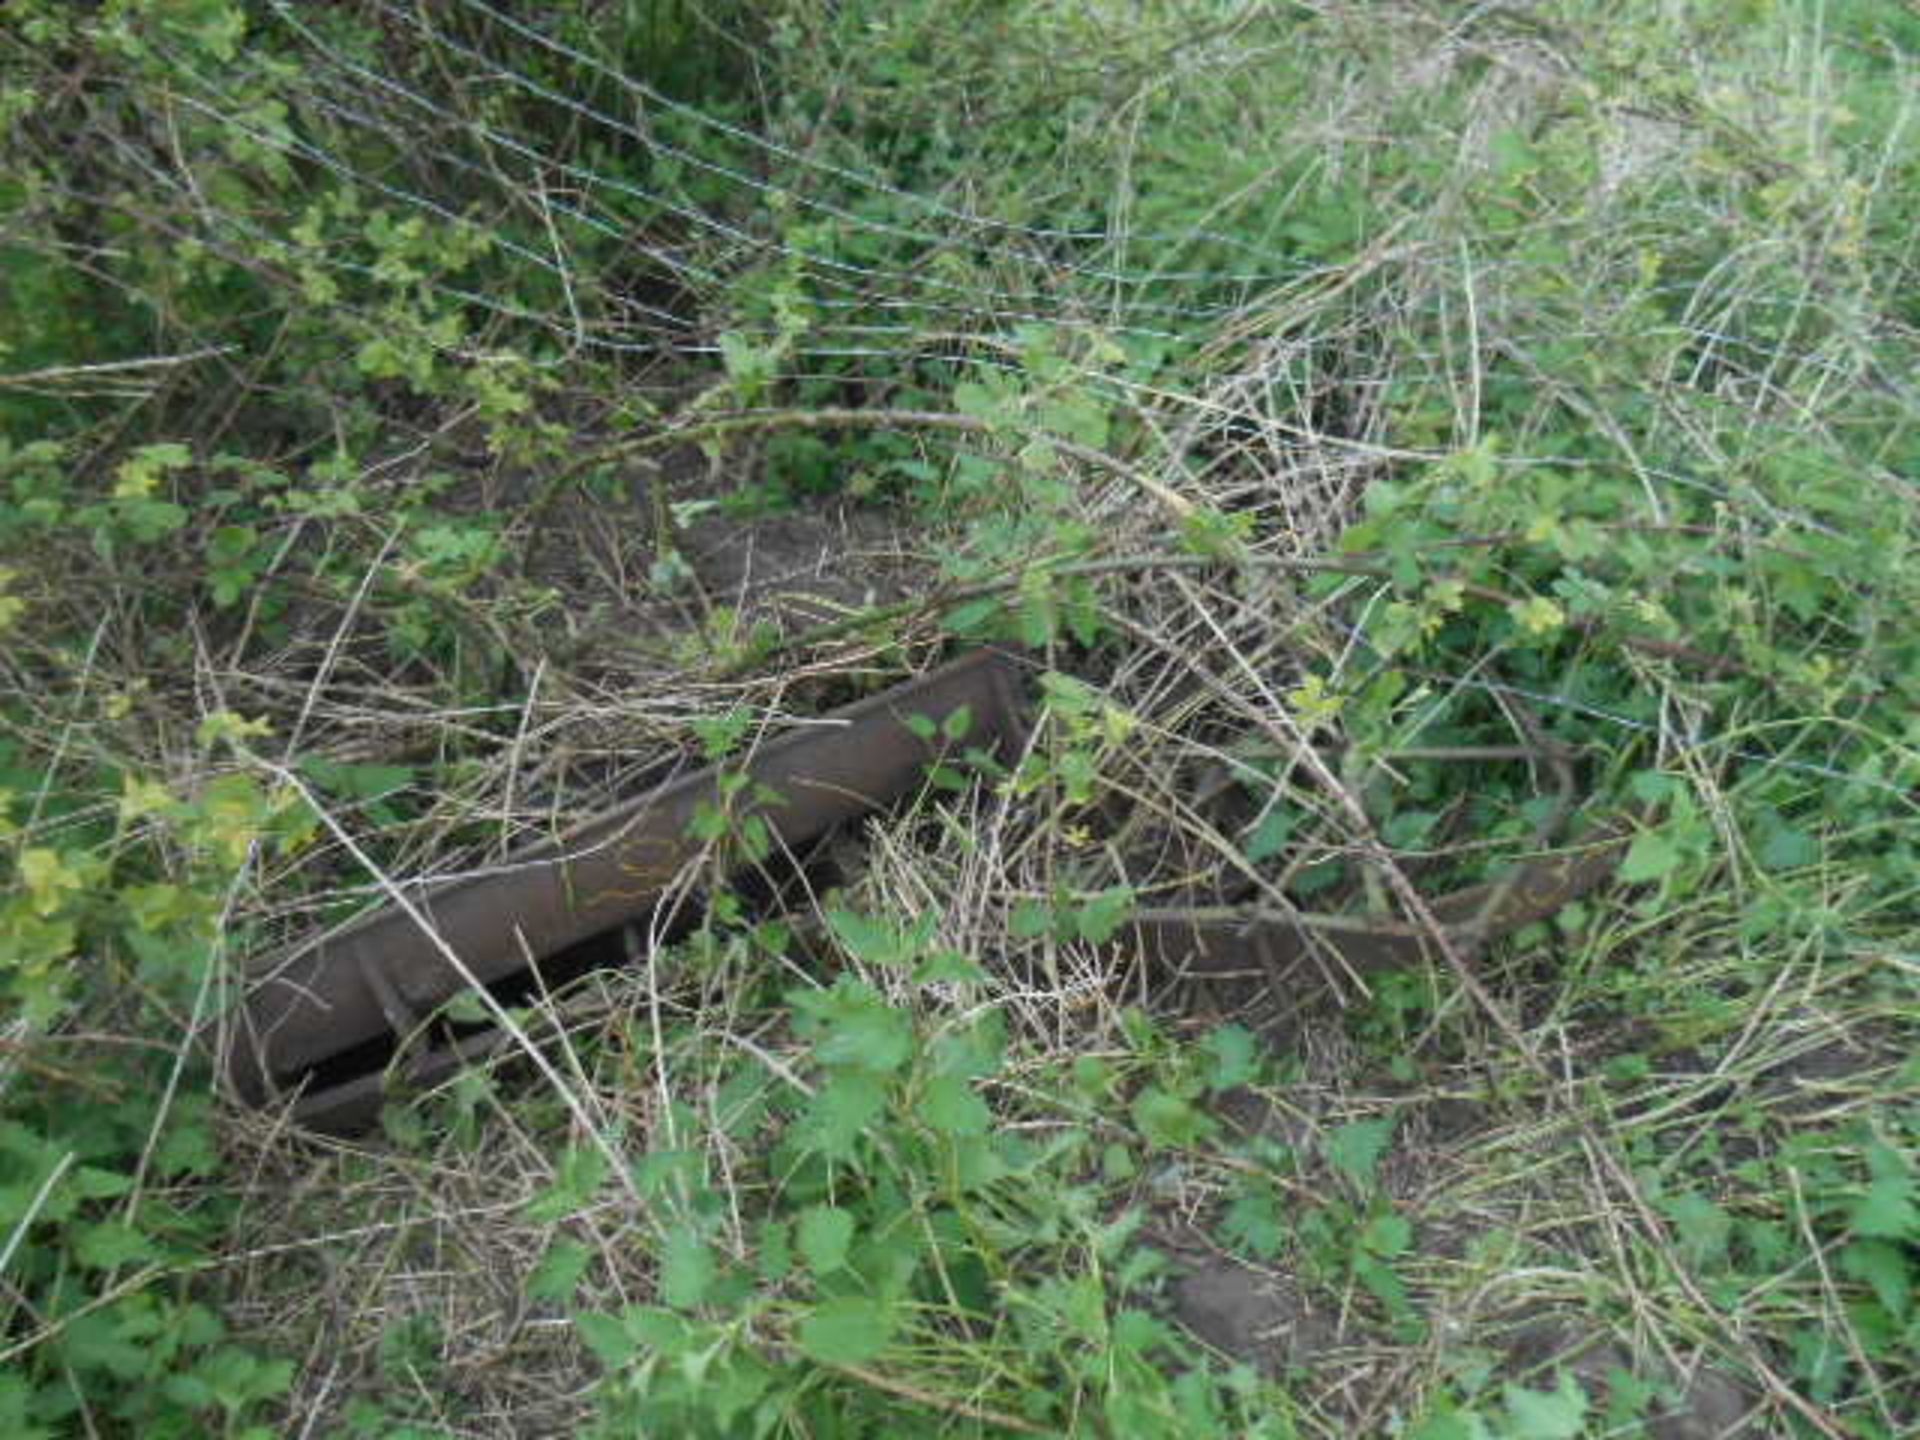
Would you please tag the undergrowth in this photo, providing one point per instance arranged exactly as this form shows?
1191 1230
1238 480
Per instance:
1399 439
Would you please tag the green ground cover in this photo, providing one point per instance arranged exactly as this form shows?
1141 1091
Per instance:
423 418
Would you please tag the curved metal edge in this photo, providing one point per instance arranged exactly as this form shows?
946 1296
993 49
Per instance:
1261 943
318 999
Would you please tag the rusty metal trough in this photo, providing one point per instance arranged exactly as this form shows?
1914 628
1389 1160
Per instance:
321 1021
383 974
1246 941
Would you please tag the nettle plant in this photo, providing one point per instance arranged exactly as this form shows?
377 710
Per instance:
1720 654
113 915
878 1231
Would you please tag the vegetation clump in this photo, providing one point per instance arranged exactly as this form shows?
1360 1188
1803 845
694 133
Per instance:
1403 440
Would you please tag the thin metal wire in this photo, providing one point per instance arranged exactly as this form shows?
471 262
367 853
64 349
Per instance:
916 304
839 274
700 219
906 303
779 195
868 181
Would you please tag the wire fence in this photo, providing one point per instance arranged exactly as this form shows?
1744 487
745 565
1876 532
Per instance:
638 226
591 215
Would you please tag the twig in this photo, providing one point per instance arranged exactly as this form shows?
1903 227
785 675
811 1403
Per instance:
108 367
34 1206
941 1402
1010 579
1313 564
749 421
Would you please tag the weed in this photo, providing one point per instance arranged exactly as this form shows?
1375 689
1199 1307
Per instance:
1406 440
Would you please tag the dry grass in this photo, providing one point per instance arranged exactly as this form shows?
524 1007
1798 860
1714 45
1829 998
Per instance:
1538 1175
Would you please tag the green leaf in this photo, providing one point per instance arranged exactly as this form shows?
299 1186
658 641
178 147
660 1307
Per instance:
1235 1054
369 782
709 822
150 520
1786 848
1380 1280
738 1381
1512 157
116 1340
231 544
1139 1332
1387 1235
560 1270
973 618
110 1244
686 1268
1212 534
1253 1220
1168 1120
662 1173
826 1231
1558 1414
1030 919
841 1112
1100 916
189 1392
852 1026
239 1378
949 967
970 398
951 1106
972 1051
1886 1268
1271 835
136 476
1652 787
876 942
948 778
1886 1163
607 1338
1449 1425
1355 1148
94 1183
581 1172
658 1329
1704 1228
1537 617
1886 1211
1651 857
1038 611
16 1408
775 1260
851 1330
1628 1398
48 876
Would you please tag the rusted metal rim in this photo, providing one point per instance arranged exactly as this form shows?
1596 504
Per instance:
354 1105
1217 944
1225 940
382 974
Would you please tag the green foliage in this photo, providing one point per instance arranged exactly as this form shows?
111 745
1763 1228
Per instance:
101 1201
897 1218
294 300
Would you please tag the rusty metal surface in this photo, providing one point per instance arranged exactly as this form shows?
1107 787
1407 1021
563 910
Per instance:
354 1105
383 973
381 976
1245 941
1202 943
